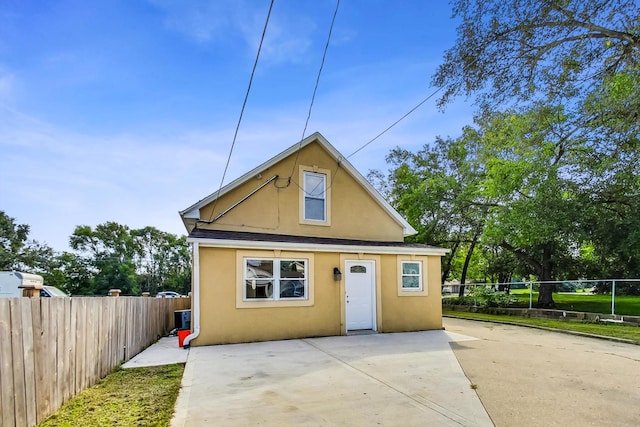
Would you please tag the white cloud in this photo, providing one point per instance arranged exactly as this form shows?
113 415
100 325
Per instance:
54 179
287 40
204 22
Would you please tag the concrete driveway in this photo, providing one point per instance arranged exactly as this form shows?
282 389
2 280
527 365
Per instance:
405 379
531 377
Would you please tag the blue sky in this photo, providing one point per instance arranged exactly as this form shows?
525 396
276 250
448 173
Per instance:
124 110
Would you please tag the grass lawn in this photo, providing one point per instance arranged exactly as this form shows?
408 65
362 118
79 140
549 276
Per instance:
127 397
604 329
593 303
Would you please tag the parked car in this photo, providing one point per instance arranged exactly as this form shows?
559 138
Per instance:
168 294
52 292
10 282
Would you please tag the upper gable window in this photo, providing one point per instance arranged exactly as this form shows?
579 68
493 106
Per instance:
315 196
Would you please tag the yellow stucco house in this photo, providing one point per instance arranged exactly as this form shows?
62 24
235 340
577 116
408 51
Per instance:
304 246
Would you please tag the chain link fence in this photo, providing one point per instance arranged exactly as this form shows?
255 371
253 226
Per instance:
608 296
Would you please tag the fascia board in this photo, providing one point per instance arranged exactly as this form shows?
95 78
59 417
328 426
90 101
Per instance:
313 247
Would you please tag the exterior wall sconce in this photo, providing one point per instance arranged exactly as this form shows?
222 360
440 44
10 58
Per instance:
337 275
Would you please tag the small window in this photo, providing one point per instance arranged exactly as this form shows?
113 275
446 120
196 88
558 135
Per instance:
275 279
315 187
411 275
358 269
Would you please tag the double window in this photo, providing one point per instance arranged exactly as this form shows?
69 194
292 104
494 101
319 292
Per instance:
315 196
275 279
411 276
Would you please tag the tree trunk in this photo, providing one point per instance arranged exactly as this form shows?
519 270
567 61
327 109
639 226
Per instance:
545 296
543 269
465 267
447 267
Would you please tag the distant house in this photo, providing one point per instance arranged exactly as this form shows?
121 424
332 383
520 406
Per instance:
304 246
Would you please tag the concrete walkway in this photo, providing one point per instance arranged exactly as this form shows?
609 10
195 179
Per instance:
532 377
408 379
163 352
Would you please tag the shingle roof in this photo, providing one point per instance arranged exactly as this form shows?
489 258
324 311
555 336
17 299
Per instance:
199 233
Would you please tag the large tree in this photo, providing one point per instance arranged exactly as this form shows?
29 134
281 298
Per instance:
13 239
110 249
133 260
163 261
18 252
510 52
559 203
437 190
566 76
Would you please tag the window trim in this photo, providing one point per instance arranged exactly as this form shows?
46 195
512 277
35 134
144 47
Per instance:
304 170
422 261
418 275
276 279
273 254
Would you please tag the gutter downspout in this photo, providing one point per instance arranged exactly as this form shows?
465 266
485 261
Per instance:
195 303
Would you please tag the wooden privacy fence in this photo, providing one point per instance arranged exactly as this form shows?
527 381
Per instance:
53 348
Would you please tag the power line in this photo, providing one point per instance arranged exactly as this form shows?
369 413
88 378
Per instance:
431 95
397 121
244 103
315 89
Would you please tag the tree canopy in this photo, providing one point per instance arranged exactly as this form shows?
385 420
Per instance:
107 256
534 202
529 50
546 180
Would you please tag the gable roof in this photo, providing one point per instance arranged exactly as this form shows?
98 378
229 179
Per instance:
193 211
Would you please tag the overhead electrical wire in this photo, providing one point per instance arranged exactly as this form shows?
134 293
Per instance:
315 89
388 128
396 122
244 103
431 95
289 179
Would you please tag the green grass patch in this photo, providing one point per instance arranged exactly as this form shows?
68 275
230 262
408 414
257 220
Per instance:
629 332
592 303
127 397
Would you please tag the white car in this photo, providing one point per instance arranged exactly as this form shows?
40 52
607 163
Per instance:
168 294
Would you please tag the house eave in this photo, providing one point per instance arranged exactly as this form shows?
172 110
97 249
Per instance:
314 247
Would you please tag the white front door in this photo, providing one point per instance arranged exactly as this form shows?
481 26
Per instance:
360 289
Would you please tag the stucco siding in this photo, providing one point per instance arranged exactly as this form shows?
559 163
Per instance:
223 321
411 313
353 213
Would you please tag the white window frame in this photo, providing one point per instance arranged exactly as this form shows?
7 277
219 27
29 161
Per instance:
307 195
276 279
418 275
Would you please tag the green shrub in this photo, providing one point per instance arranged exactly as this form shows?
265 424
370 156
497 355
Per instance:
489 297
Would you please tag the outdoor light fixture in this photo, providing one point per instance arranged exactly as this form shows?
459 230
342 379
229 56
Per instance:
337 275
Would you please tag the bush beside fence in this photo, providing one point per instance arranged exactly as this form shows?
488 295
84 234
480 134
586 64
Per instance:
53 348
